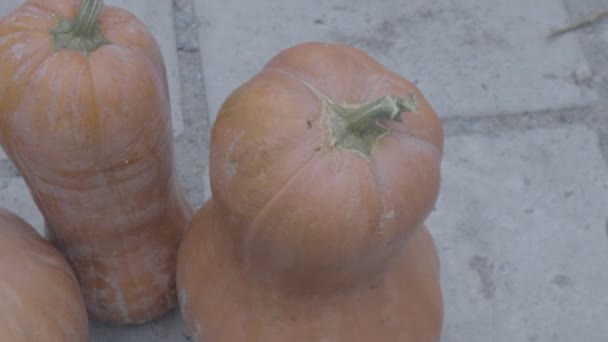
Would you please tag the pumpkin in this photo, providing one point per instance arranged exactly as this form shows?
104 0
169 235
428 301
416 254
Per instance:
85 117
39 295
320 189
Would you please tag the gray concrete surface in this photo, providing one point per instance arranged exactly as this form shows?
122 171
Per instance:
524 254
469 57
522 218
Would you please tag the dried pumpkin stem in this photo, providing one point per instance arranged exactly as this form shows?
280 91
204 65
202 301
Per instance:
83 34
356 127
388 108
87 18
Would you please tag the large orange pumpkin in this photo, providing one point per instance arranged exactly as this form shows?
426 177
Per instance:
39 296
85 117
321 186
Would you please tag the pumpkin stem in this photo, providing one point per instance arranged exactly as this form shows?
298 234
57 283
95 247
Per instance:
388 107
83 34
356 128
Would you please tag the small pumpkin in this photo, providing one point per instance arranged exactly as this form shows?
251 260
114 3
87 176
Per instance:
320 186
40 299
85 117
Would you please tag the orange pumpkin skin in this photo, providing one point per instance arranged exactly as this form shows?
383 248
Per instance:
39 295
91 134
298 205
320 189
224 299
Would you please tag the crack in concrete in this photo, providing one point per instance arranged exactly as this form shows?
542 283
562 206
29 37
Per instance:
192 146
594 117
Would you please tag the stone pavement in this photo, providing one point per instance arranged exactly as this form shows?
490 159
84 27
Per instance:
522 218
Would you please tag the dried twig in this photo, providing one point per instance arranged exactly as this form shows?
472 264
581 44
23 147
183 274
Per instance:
587 21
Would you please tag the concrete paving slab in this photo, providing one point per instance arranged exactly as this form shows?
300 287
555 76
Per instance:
159 19
15 197
8 5
469 57
521 226
594 39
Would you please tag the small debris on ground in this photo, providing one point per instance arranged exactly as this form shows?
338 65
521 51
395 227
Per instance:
596 16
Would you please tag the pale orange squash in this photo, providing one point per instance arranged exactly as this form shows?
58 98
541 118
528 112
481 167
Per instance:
321 183
39 295
85 117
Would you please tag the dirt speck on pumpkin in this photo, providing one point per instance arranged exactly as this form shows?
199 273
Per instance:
385 218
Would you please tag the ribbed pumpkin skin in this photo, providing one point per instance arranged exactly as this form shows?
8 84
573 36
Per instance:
306 239
299 206
226 300
39 295
91 134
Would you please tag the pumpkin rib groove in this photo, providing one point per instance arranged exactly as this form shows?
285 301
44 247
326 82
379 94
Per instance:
124 26
95 164
379 188
359 61
26 8
395 129
5 130
15 151
44 63
41 6
102 172
120 301
421 151
8 35
427 144
140 54
316 92
23 166
252 229
362 60
5 39
138 134
353 57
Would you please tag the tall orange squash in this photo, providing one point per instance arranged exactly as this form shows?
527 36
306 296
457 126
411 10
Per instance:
324 167
85 117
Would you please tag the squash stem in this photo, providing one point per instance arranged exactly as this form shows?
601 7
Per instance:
356 128
87 18
388 107
82 34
